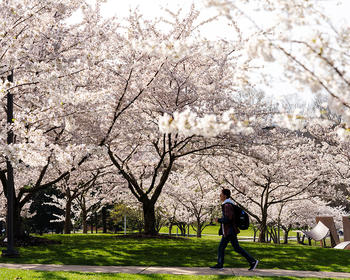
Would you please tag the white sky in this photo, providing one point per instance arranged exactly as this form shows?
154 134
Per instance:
337 9
149 8
155 8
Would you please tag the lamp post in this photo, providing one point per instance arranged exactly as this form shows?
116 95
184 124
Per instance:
11 251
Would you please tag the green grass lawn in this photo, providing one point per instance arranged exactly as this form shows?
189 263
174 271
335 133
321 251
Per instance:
11 274
99 249
214 229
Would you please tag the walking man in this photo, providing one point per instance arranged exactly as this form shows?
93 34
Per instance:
229 231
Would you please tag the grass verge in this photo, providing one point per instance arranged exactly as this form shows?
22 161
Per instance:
11 274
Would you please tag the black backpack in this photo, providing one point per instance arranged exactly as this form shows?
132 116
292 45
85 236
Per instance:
241 217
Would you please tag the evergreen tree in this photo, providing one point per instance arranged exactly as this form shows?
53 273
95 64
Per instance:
46 212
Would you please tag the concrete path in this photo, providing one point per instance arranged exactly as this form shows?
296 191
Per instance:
177 270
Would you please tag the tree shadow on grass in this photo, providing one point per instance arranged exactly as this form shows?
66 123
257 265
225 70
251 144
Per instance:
107 250
49 275
297 257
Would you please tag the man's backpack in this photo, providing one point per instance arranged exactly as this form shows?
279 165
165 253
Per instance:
241 217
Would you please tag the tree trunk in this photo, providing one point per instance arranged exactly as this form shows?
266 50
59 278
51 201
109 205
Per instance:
263 232
149 218
84 218
104 219
199 233
67 218
263 227
286 233
83 214
199 228
285 239
18 226
273 232
96 222
255 232
170 228
182 227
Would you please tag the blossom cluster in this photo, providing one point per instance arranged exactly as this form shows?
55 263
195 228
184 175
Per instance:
189 123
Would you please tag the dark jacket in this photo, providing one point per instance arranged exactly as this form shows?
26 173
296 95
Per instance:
228 226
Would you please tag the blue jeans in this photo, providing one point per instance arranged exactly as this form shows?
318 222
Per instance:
234 241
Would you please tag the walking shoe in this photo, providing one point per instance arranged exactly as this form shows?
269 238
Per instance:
217 266
253 265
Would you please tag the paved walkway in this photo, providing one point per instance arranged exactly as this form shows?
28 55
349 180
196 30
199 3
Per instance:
177 270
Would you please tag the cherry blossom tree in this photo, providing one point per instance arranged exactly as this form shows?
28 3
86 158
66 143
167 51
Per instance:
54 66
109 189
301 215
334 147
74 188
312 47
193 189
270 172
193 74
173 213
304 37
